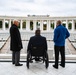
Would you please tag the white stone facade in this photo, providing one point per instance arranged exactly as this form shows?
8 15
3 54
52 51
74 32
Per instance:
37 21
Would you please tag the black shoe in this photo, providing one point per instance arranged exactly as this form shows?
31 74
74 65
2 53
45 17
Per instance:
31 61
13 63
62 65
19 65
55 67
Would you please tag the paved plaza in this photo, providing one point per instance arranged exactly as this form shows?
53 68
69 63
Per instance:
6 68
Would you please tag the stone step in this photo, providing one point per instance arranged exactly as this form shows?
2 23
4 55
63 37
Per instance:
23 56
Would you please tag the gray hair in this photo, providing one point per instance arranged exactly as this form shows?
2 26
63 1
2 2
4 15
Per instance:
15 20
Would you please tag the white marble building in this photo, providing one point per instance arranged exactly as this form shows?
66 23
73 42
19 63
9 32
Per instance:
29 23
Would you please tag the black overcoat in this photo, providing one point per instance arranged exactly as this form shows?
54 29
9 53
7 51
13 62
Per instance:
15 39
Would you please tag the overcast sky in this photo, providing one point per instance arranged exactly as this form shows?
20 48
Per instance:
38 7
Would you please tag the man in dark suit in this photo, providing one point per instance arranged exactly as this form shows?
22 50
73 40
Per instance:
37 40
15 43
60 34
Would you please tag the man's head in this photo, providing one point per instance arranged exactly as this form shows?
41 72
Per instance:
58 23
16 22
37 32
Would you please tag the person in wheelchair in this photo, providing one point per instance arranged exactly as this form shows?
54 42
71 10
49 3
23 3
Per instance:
37 41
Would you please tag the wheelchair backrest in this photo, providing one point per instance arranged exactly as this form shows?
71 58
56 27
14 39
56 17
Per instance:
37 50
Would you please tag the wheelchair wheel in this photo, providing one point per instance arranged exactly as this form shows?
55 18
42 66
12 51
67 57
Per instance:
43 59
28 60
27 64
46 61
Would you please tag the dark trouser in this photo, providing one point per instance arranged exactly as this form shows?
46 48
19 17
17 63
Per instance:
60 49
15 57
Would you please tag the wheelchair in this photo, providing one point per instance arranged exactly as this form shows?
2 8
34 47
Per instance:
37 51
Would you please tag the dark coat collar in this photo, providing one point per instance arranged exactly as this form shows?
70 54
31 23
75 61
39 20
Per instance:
14 25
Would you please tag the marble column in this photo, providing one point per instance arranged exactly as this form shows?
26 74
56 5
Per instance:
67 24
27 25
3 24
48 25
34 25
9 23
41 25
55 24
73 25
21 25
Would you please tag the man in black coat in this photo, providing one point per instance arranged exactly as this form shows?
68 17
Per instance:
15 43
37 40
